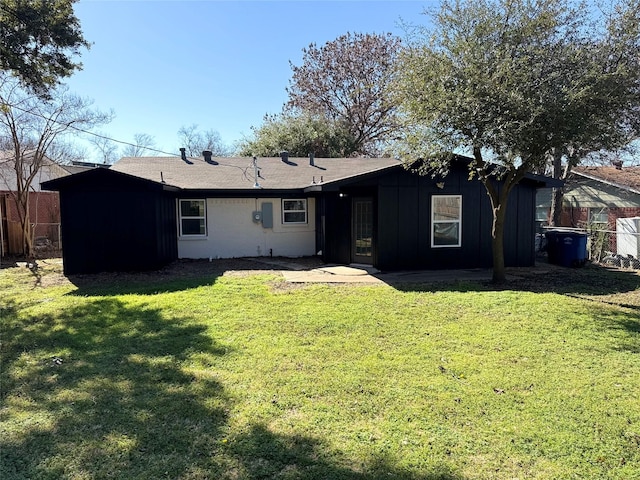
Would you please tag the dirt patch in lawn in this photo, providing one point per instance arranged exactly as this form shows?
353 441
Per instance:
189 272
606 284
619 286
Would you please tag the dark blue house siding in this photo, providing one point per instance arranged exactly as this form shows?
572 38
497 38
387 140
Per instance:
117 222
402 236
113 222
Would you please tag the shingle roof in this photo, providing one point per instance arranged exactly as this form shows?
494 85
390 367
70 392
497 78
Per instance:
48 170
625 177
238 173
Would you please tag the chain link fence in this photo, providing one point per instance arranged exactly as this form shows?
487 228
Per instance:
604 246
47 240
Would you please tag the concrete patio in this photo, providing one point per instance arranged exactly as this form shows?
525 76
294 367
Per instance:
369 275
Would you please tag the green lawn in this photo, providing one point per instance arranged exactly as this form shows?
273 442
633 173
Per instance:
211 376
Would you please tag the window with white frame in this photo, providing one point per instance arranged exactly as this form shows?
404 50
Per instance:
193 217
294 211
446 221
542 214
598 215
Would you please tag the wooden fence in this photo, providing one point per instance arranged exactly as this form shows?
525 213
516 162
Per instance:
46 238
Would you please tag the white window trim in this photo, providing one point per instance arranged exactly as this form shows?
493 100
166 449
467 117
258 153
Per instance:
458 221
306 211
595 211
539 215
180 218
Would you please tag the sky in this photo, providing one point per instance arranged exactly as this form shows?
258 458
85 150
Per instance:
219 64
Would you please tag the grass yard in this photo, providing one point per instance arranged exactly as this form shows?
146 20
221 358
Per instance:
207 375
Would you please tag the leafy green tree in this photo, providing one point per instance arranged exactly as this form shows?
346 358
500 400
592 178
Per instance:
511 83
38 40
349 80
598 110
299 135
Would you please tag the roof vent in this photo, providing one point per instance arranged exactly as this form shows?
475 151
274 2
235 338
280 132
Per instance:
617 164
284 156
312 160
208 154
183 155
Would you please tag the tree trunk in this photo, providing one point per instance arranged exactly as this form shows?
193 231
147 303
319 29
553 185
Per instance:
21 198
498 199
25 222
27 240
557 194
497 242
499 209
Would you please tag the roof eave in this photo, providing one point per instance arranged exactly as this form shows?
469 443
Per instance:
606 182
242 192
334 185
544 181
56 183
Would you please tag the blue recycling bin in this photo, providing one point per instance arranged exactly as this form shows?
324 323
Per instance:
566 248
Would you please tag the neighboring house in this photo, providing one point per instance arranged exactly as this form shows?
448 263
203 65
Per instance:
597 196
43 206
146 212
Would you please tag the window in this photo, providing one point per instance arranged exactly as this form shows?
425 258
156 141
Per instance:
542 214
192 217
294 211
446 220
598 215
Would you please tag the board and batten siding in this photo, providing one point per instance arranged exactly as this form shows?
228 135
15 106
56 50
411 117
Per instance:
116 226
232 231
403 222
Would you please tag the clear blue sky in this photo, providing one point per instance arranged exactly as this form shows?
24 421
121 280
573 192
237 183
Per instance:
219 64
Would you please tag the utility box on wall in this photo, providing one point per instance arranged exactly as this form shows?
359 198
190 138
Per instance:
628 236
267 215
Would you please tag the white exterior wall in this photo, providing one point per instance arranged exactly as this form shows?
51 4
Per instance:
231 232
628 236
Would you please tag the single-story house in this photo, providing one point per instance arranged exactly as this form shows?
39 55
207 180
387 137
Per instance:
596 196
145 212
44 207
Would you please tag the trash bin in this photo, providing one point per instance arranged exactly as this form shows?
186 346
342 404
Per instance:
566 248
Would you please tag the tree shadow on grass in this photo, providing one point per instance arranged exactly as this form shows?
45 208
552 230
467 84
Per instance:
616 321
145 283
263 454
110 390
599 285
102 391
589 280
178 276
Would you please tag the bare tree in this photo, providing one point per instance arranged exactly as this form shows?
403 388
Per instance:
349 80
107 148
196 141
142 145
35 131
